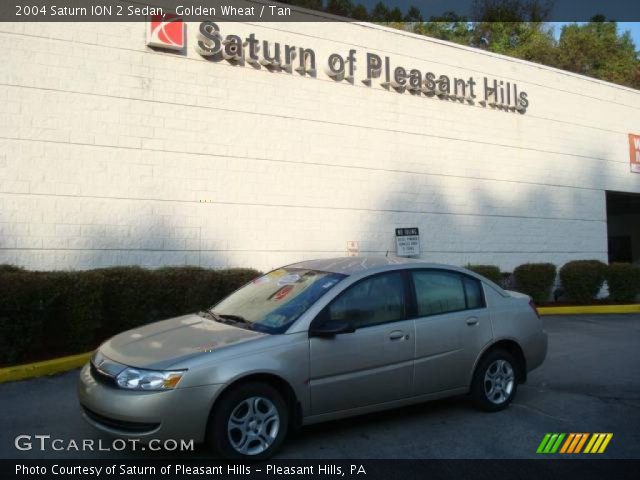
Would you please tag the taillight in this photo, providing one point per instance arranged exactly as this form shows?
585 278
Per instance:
533 306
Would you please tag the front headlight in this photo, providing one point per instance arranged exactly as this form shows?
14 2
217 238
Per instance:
138 379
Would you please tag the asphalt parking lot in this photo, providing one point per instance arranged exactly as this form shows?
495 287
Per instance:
590 382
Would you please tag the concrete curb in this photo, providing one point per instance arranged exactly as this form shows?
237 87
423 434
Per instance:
589 309
46 367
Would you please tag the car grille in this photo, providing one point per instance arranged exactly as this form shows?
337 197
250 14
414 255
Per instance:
123 426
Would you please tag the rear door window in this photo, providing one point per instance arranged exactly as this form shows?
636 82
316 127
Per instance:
473 290
438 292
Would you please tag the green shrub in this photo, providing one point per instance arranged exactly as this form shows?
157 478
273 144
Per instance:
536 280
47 314
491 272
5 268
72 302
582 279
22 314
624 281
507 280
129 297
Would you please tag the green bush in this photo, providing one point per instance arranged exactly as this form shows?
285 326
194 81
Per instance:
507 280
47 314
22 314
72 303
130 295
491 272
582 279
624 281
536 280
5 268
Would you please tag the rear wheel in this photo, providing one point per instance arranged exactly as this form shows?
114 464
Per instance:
494 382
249 422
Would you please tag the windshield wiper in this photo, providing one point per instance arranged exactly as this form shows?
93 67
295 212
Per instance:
235 319
215 316
229 319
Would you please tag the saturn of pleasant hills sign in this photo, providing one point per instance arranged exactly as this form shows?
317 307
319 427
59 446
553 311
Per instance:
496 93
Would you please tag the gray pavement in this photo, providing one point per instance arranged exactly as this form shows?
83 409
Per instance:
590 382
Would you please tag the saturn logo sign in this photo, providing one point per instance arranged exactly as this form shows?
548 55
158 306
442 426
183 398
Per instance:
166 31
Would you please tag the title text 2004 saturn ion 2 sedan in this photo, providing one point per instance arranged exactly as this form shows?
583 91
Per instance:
314 341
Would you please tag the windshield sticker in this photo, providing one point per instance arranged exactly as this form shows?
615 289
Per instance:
329 284
283 292
289 279
261 280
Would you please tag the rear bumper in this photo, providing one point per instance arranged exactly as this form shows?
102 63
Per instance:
175 414
536 350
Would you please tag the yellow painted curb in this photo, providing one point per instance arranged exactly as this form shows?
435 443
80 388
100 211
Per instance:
594 309
46 367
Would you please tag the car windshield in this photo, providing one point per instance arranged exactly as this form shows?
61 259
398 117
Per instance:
274 301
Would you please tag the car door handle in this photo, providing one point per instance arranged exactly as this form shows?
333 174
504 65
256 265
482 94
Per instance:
398 335
472 320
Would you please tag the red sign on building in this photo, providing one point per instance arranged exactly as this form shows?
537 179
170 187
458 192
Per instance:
634 152
166 31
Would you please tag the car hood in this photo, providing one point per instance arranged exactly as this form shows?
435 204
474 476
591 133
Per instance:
162 344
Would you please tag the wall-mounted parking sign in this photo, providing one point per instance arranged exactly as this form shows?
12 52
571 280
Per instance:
407 242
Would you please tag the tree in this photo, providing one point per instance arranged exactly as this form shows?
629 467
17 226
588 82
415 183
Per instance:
536 43
312 4
344 8
359 12
449 26
395 15
596 49
516 28
511 10
380 13
413 15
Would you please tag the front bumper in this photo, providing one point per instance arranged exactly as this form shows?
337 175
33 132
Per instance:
176 414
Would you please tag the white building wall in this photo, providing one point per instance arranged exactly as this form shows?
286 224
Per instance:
112 153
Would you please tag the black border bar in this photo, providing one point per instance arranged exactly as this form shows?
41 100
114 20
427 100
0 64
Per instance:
569 469
292 11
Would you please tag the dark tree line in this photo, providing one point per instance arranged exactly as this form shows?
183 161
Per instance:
518 28
357 11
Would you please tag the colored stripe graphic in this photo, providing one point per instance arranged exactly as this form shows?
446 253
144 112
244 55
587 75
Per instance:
544 441
566 445
550 443
556 445
607 439
598 443
581 443
553 443
574 443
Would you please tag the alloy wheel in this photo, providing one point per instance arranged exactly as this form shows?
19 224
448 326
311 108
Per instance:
499 381
253 425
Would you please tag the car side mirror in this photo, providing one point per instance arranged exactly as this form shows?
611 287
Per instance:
331 328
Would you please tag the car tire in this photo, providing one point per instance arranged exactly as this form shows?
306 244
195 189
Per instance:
249 422
495 381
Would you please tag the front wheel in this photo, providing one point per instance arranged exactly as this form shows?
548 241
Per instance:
249 422
494 382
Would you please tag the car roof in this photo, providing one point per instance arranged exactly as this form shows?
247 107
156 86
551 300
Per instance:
352 265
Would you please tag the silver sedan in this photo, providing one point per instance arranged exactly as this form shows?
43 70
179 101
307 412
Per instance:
314 341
